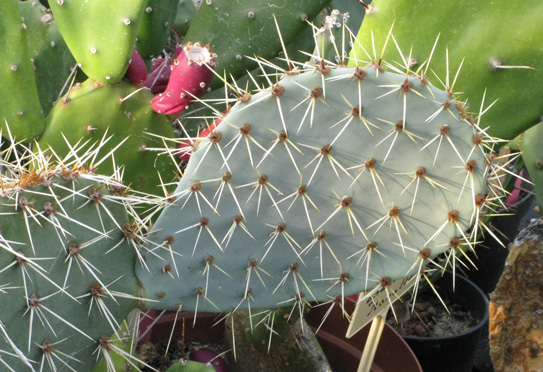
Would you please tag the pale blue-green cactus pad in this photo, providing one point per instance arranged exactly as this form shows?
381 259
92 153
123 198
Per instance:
321 185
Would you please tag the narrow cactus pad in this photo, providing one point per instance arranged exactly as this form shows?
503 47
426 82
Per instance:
20 109
186 10
66 274
50 55
329 182
100 33
156 26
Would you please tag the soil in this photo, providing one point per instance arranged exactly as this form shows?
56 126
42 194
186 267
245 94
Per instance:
430 318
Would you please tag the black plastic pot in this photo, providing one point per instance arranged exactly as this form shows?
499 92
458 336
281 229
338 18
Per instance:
490 256
453 353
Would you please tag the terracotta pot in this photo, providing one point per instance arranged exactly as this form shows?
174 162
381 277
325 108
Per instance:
393 355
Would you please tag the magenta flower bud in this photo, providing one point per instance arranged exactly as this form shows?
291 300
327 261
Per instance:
208 356
158 62
190 78
158 80
137 71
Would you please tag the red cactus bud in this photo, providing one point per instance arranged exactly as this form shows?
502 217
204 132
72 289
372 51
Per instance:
137 71
185 149
190 79
210 128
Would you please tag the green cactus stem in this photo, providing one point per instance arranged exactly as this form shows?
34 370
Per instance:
186 11
156 27
50 55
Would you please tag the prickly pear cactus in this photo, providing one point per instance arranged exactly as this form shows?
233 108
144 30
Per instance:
20 109
100 33
67 278
92 112
186 10
328 182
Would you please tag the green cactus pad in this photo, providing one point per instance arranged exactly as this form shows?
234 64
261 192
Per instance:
51 57
156 27
186 11
531 146
236 30
20 106
499 44
330 182
92 110
100 33
66 275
